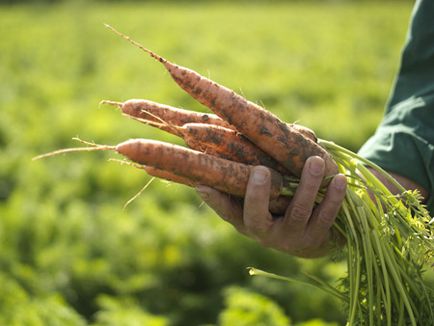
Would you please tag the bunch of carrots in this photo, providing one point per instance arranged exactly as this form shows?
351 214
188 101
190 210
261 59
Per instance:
389 238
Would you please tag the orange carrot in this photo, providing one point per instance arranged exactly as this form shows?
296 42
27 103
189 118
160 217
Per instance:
224 175
228 144
285 144
158 112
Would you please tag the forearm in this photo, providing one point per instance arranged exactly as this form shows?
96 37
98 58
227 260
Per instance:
403 181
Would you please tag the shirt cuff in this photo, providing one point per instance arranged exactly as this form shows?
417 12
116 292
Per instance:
399 151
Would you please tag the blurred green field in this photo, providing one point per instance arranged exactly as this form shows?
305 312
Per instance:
69 253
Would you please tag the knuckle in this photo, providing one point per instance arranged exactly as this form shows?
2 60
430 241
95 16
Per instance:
255 197
336 197
312 184
328 211
299 212
326 218
258 225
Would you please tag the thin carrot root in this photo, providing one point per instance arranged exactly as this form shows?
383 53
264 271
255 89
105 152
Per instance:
91 146
112 103
129 39
74 149
88 143
138 194
138 166
174 130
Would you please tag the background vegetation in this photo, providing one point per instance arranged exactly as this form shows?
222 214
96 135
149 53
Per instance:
69 253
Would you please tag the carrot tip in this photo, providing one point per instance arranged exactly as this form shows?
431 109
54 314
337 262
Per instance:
112 103
90 147
137 44
74 149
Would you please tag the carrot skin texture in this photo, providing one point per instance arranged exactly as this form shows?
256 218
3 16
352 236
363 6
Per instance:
285 144
167 175
228 144
308 133
224 175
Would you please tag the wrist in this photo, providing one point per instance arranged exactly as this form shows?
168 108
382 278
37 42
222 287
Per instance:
403 181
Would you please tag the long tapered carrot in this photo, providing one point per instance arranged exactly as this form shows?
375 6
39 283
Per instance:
154 111
285 144
227 176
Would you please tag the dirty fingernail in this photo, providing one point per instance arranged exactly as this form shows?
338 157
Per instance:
316 166
340 182
259 176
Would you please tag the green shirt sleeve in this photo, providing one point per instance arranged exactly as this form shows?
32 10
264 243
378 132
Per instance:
404 141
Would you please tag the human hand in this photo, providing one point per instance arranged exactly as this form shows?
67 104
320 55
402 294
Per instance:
305 228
